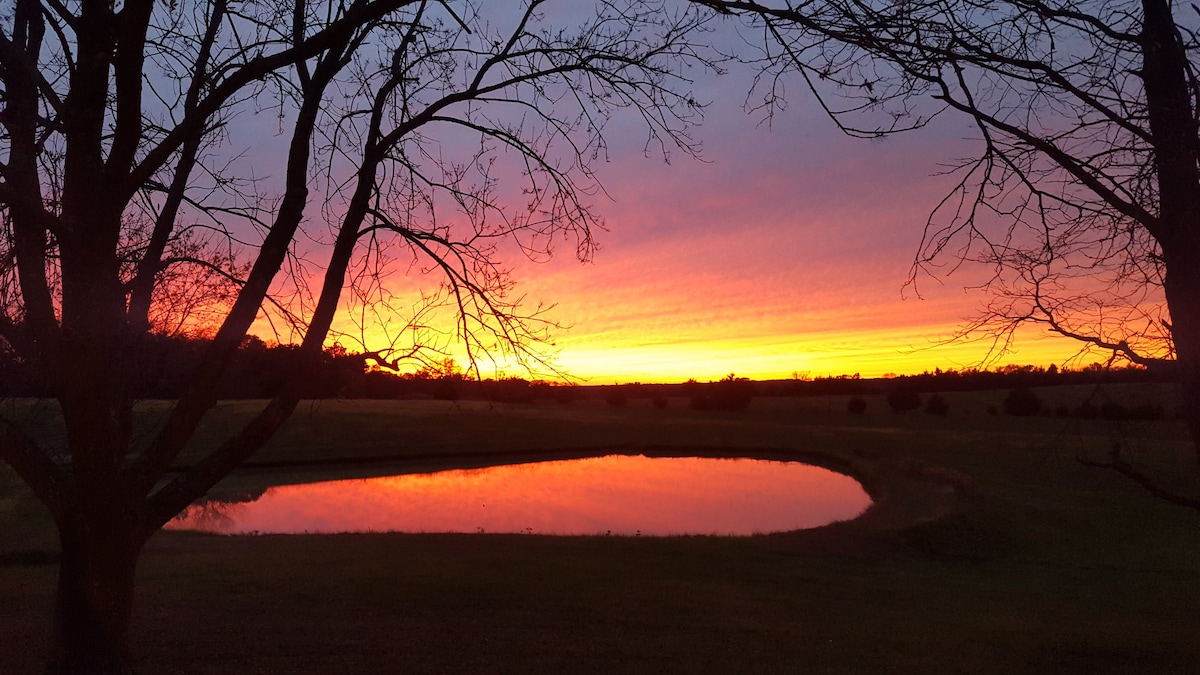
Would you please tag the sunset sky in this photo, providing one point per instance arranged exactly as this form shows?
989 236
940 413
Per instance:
784 251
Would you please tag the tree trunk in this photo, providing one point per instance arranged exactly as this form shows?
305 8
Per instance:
1166 74
1183 297
94 606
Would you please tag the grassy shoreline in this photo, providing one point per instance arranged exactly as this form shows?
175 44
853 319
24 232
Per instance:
990 549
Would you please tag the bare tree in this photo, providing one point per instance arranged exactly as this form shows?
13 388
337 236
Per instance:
166 165
1084 196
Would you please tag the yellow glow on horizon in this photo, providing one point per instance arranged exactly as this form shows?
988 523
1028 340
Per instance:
773 260
638 319
607 358
870 355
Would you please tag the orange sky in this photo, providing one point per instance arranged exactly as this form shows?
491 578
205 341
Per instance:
785 250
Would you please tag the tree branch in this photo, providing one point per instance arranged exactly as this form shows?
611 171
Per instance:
49 482
1148 483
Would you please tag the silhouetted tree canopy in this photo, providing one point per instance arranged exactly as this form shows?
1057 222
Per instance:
1082 195
196 166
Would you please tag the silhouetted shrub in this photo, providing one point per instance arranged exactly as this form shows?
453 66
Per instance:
446 389
1022 402
1147 412
857 405
616 399
1113 411
936 405
719 402
903 399
731 393
541 390
510 390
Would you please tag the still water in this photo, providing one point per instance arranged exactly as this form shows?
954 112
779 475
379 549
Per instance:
618 495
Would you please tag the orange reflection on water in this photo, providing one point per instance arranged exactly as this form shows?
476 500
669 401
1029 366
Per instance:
618 494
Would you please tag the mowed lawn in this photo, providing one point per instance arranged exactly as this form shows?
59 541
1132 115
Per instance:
992 550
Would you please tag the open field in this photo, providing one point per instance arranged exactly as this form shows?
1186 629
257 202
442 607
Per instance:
991 550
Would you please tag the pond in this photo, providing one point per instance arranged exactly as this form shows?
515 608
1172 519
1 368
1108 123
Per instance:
618 495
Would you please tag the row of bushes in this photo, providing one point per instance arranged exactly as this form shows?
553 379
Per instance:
1024 402
1019 402
902 401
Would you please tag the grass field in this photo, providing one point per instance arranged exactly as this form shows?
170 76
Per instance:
991 549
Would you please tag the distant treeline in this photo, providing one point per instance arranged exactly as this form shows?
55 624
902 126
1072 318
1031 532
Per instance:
938 381
166 365
972 379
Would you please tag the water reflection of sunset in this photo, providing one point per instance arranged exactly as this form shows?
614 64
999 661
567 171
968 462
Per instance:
617 494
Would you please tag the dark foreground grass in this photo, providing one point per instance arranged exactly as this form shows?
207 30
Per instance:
992 550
